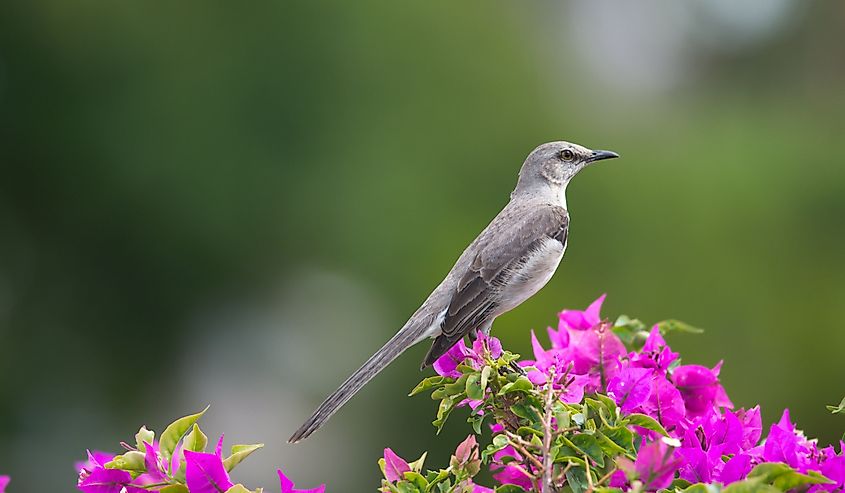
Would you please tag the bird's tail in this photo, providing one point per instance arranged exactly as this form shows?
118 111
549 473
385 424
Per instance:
405 338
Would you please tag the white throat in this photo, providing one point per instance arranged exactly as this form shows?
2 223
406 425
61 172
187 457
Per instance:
561 196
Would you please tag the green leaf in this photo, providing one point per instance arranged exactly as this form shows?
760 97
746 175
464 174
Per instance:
526 430
175 488
589 446
609 447
498 443
508 357
750 486
699 488
509 488
621 436
445 409
485 376
417 480
521 384
783 477
456 387
428 383
435 478
238 488
840 409
132 461
631 332
679 484
473 387
476 420
631 323
239 453
526 412
672 325
406 487
174 432
144 435
576 477
647 422
195 441
571 459
563 419
607 401
417 465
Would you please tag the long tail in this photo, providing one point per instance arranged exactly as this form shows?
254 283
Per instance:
405 338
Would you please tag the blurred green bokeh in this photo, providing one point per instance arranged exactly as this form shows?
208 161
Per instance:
235 204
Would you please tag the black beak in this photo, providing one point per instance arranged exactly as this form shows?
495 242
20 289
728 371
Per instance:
599 155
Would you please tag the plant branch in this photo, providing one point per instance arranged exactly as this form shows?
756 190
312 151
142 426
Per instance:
547 434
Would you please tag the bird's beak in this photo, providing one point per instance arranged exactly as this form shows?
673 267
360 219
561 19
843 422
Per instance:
599 155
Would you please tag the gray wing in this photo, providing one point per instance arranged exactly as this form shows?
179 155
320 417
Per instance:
499 249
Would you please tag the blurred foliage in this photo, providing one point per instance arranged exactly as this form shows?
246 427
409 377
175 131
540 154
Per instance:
159 159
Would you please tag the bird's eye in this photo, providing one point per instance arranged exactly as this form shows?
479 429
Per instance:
567 155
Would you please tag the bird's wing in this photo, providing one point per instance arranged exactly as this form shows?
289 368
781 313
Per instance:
498 250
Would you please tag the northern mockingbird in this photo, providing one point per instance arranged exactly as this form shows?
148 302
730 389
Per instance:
507 263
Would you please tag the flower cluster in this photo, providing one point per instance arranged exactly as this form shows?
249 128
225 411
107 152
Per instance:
176 463
605 408
399 475
610 406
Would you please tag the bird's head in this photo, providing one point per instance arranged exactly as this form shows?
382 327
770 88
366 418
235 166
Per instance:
553 164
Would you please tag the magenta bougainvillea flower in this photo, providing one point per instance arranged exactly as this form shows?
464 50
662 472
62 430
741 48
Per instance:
655 353
205 473
700 388
674 421
95 459
509 473
447 365
395 467
287 485
832 466
4 481
788 445
583 350
656 465
95 478
582 320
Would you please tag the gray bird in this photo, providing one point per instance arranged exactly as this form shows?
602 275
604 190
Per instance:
515 256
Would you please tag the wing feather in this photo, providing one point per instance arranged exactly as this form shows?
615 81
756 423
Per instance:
477 294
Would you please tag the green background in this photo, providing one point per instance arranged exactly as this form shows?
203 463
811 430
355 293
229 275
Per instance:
235 203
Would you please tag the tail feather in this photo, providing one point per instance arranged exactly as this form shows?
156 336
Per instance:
405 338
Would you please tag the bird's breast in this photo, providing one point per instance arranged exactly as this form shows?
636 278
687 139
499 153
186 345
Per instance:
531 273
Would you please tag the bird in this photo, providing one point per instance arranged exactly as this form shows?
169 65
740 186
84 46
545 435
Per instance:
507 263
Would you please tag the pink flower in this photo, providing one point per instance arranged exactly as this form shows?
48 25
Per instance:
655 466
287 485
630 388
700 388
654 354
507 473
786 444
205 473
395 467
447 365
581 320
4 481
